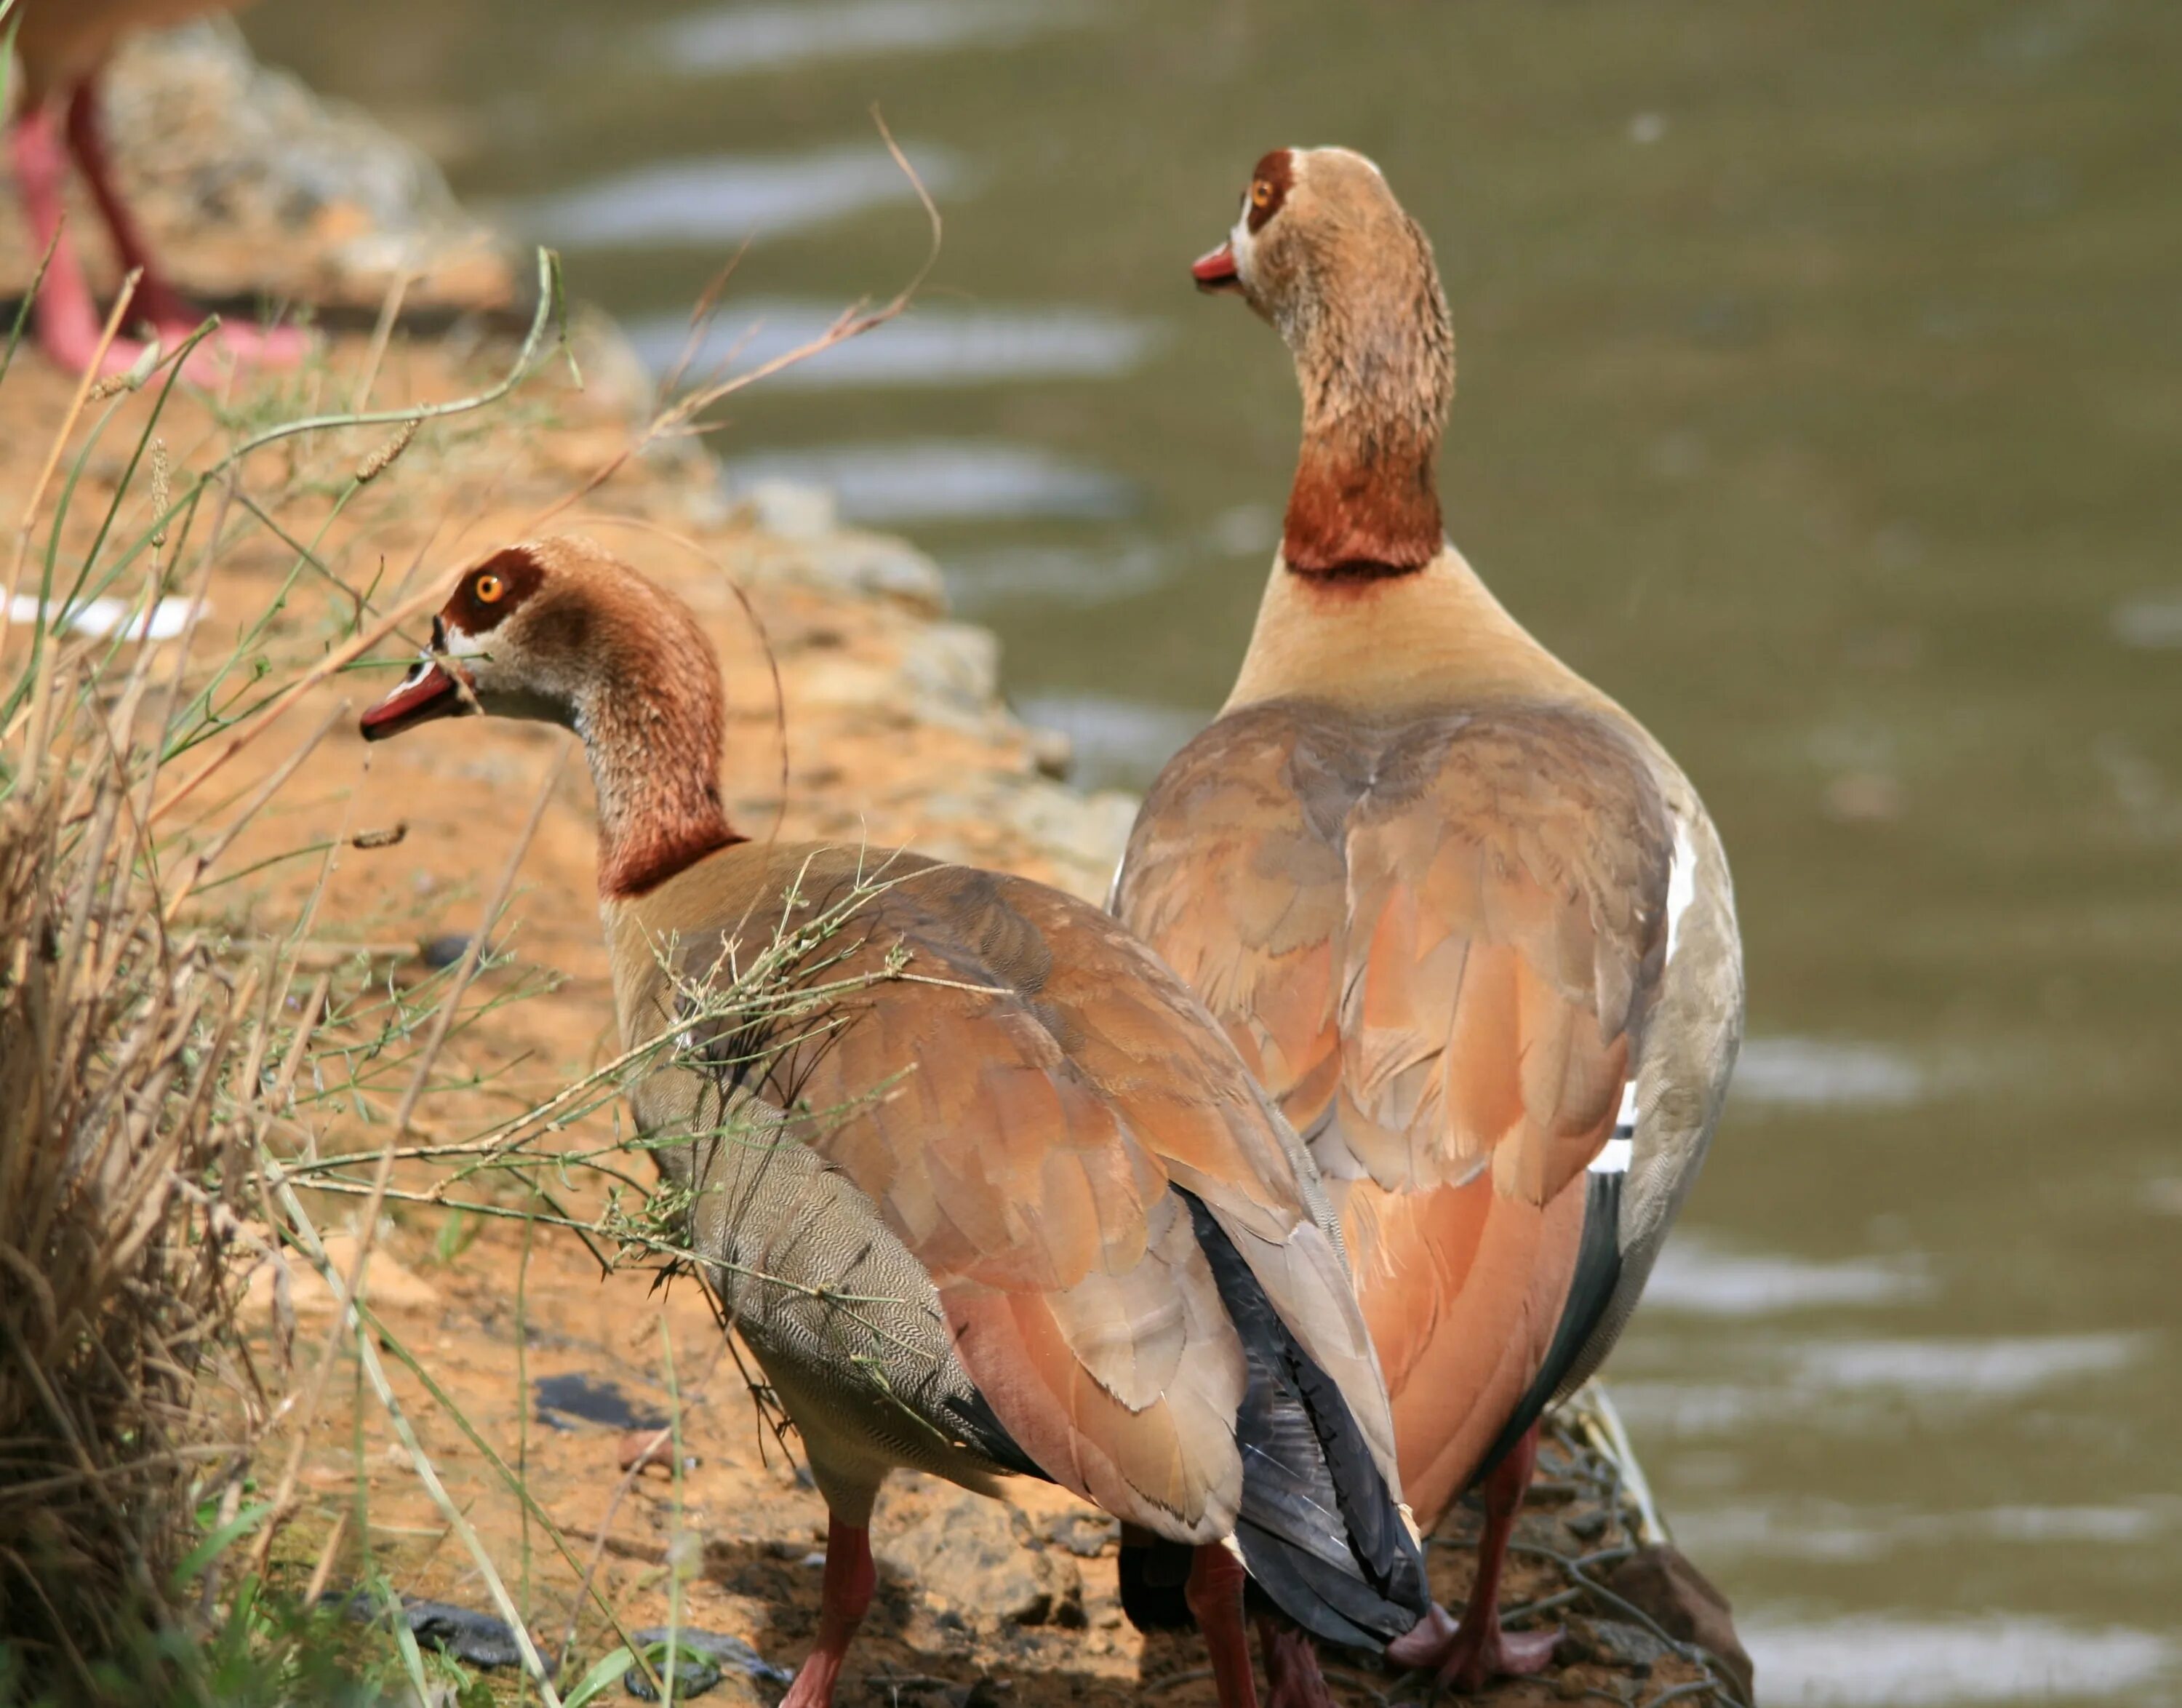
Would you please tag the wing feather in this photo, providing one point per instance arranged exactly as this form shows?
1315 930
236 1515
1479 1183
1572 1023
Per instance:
1438 939
1062 1088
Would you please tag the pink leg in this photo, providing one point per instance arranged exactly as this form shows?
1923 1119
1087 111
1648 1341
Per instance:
1470 1654
173 315
1214 1594
844 1599
1292 1677
67 319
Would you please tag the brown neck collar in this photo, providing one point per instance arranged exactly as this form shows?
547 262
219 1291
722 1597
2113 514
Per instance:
654 744
1362 508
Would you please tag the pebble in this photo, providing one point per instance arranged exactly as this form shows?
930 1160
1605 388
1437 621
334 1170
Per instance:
700 1659
475 1638
978 1557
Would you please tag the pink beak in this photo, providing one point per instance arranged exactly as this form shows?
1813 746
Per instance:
426 692
1216 271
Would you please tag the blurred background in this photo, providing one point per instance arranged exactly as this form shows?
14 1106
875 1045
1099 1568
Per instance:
1819 398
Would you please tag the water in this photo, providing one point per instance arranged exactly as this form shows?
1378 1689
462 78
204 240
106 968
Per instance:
1819 397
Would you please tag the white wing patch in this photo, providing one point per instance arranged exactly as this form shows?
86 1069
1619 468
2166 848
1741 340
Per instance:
1614 1156
1682 884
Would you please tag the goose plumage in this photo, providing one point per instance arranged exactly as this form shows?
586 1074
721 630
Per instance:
998 1197
1466 921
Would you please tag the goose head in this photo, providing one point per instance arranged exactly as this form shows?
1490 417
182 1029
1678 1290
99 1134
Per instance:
1322 251
562 631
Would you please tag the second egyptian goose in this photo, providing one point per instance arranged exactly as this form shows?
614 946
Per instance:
63 44
1464 918
998 1197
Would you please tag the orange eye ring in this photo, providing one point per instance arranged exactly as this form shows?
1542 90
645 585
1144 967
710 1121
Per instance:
489 588
1261 194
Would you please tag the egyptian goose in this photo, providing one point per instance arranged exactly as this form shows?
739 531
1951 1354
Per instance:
1001 1198
1465 920
62 45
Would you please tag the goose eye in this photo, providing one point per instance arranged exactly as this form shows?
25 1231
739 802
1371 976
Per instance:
1261 194
488 589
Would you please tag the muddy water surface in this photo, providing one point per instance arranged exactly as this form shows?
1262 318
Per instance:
1819 397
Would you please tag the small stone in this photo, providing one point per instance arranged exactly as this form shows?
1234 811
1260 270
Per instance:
1611 1643
475 1638
574 1399
789 509
1086 1535
439 953
1662 1582
872 566
980 1556
1588 1526
700 1659
652 1449
952 671
1052 752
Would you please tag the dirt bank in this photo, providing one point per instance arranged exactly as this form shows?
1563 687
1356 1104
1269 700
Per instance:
887 727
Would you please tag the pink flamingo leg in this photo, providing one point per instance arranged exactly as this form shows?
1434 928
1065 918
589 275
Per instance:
1476 1650
66 318
171 313
843 1599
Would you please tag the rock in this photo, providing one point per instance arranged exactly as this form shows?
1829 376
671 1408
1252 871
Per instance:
1613 1643
273 189
651 1449
1588 1526
980 1556
1086 1535
701 1658
952 671
1665 1585
439 953
873 566
1082 834
1052 752
475 1638
694 1675
574 1399
790 510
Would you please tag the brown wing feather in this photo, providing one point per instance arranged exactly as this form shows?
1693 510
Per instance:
1442 936
1061 1081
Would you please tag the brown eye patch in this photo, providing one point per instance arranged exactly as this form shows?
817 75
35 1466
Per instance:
1269 183
484 596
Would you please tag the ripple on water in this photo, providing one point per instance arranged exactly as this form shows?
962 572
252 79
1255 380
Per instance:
1702 1280
1854 1386
933 480
730 41
2153 623
1065 576
725 198
1889 1662
1996 1369
1835 1534
1819 1072
924 346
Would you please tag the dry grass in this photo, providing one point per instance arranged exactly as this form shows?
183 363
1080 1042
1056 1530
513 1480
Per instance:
142 1056
122 1049
178 1102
